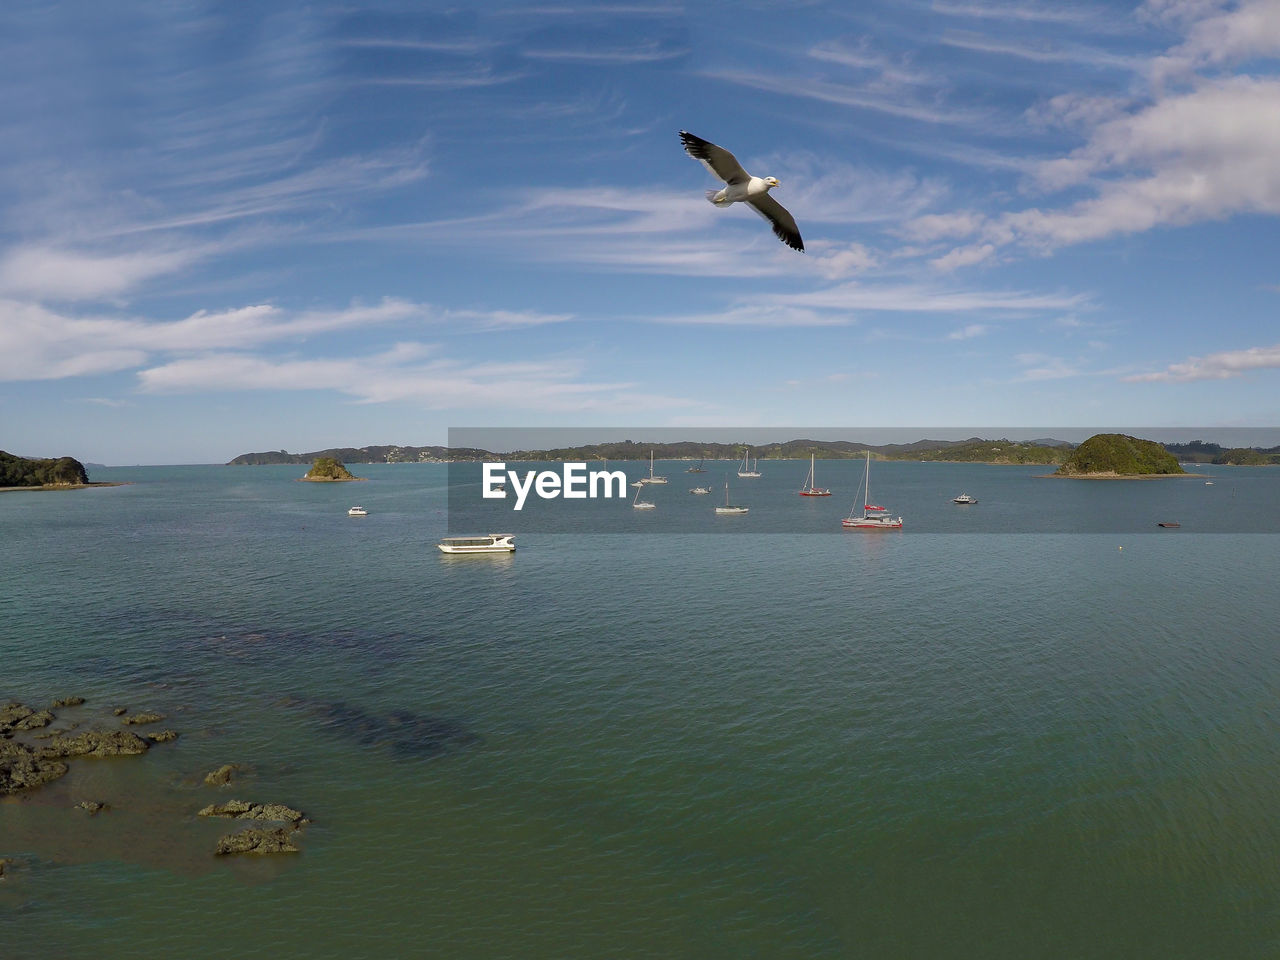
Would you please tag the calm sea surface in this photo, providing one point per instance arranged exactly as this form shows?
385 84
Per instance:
976 744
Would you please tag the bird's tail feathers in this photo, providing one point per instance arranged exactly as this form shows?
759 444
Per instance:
716 197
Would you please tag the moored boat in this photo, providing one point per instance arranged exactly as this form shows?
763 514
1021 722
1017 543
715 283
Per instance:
489 543
964 498
357 512
873 517
807 489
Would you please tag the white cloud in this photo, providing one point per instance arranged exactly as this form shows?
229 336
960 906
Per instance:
970 331
1218 34
409 372
37 343
66 275
1216 366
963 256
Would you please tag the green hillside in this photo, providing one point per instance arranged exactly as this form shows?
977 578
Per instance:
22 472
1119 454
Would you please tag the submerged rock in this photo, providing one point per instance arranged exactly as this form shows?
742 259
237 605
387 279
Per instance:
222 776
96 743
162 736
34 720
21 768
120 711
275 840
92 807
407 734
68 701
147 716
244 810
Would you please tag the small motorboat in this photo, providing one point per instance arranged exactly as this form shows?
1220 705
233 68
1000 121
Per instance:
357 512
964 498
1169 524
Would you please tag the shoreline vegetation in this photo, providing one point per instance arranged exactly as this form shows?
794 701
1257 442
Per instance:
1045 451
1118 456
328 470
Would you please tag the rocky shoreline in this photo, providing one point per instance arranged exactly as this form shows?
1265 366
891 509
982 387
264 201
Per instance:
34 752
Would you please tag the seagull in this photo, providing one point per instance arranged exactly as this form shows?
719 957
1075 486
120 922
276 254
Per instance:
740 185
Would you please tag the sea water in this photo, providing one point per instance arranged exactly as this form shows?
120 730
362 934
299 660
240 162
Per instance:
983 743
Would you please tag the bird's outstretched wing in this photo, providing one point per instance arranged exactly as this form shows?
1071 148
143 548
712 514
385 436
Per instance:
784 224
718 160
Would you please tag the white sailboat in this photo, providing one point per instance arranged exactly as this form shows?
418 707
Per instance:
873 517
807 489
651 478
748 470
638 504
729 508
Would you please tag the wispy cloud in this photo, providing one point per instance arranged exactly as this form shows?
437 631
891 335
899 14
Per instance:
846 95
407 372
645 53
1226 365
37 343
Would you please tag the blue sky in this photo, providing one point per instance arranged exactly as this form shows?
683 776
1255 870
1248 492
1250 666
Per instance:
243 227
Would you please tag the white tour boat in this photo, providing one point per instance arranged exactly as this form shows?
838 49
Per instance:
964 498
489 543
873 517
357 512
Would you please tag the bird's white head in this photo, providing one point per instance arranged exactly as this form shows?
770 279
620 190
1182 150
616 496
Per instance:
772 181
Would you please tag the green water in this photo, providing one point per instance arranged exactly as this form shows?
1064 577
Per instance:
941 746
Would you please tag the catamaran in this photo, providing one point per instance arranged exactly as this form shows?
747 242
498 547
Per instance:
747 469
873 517
807 489
728 507
651 478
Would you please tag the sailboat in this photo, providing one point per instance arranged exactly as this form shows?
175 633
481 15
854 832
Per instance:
873 517
638 504
748 470
651 478
807 489
698 468
728 507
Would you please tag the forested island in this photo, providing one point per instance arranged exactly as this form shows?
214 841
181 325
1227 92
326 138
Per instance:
23 472
328 469
1108 455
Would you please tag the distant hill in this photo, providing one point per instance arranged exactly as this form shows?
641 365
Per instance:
23 472
1198 451
973 449
1117 454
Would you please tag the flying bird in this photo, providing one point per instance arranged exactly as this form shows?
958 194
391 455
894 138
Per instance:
740 185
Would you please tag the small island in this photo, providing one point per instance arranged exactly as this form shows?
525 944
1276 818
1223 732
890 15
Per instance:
1117 456
62 473
329 470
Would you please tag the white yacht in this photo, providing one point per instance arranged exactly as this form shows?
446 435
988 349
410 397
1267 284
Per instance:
729 509
700 490
964 498
357 512
489 543
651 478
638 504
749 470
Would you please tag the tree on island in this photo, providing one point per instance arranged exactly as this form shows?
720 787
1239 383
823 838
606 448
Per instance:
327 468
22 472
1121 455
